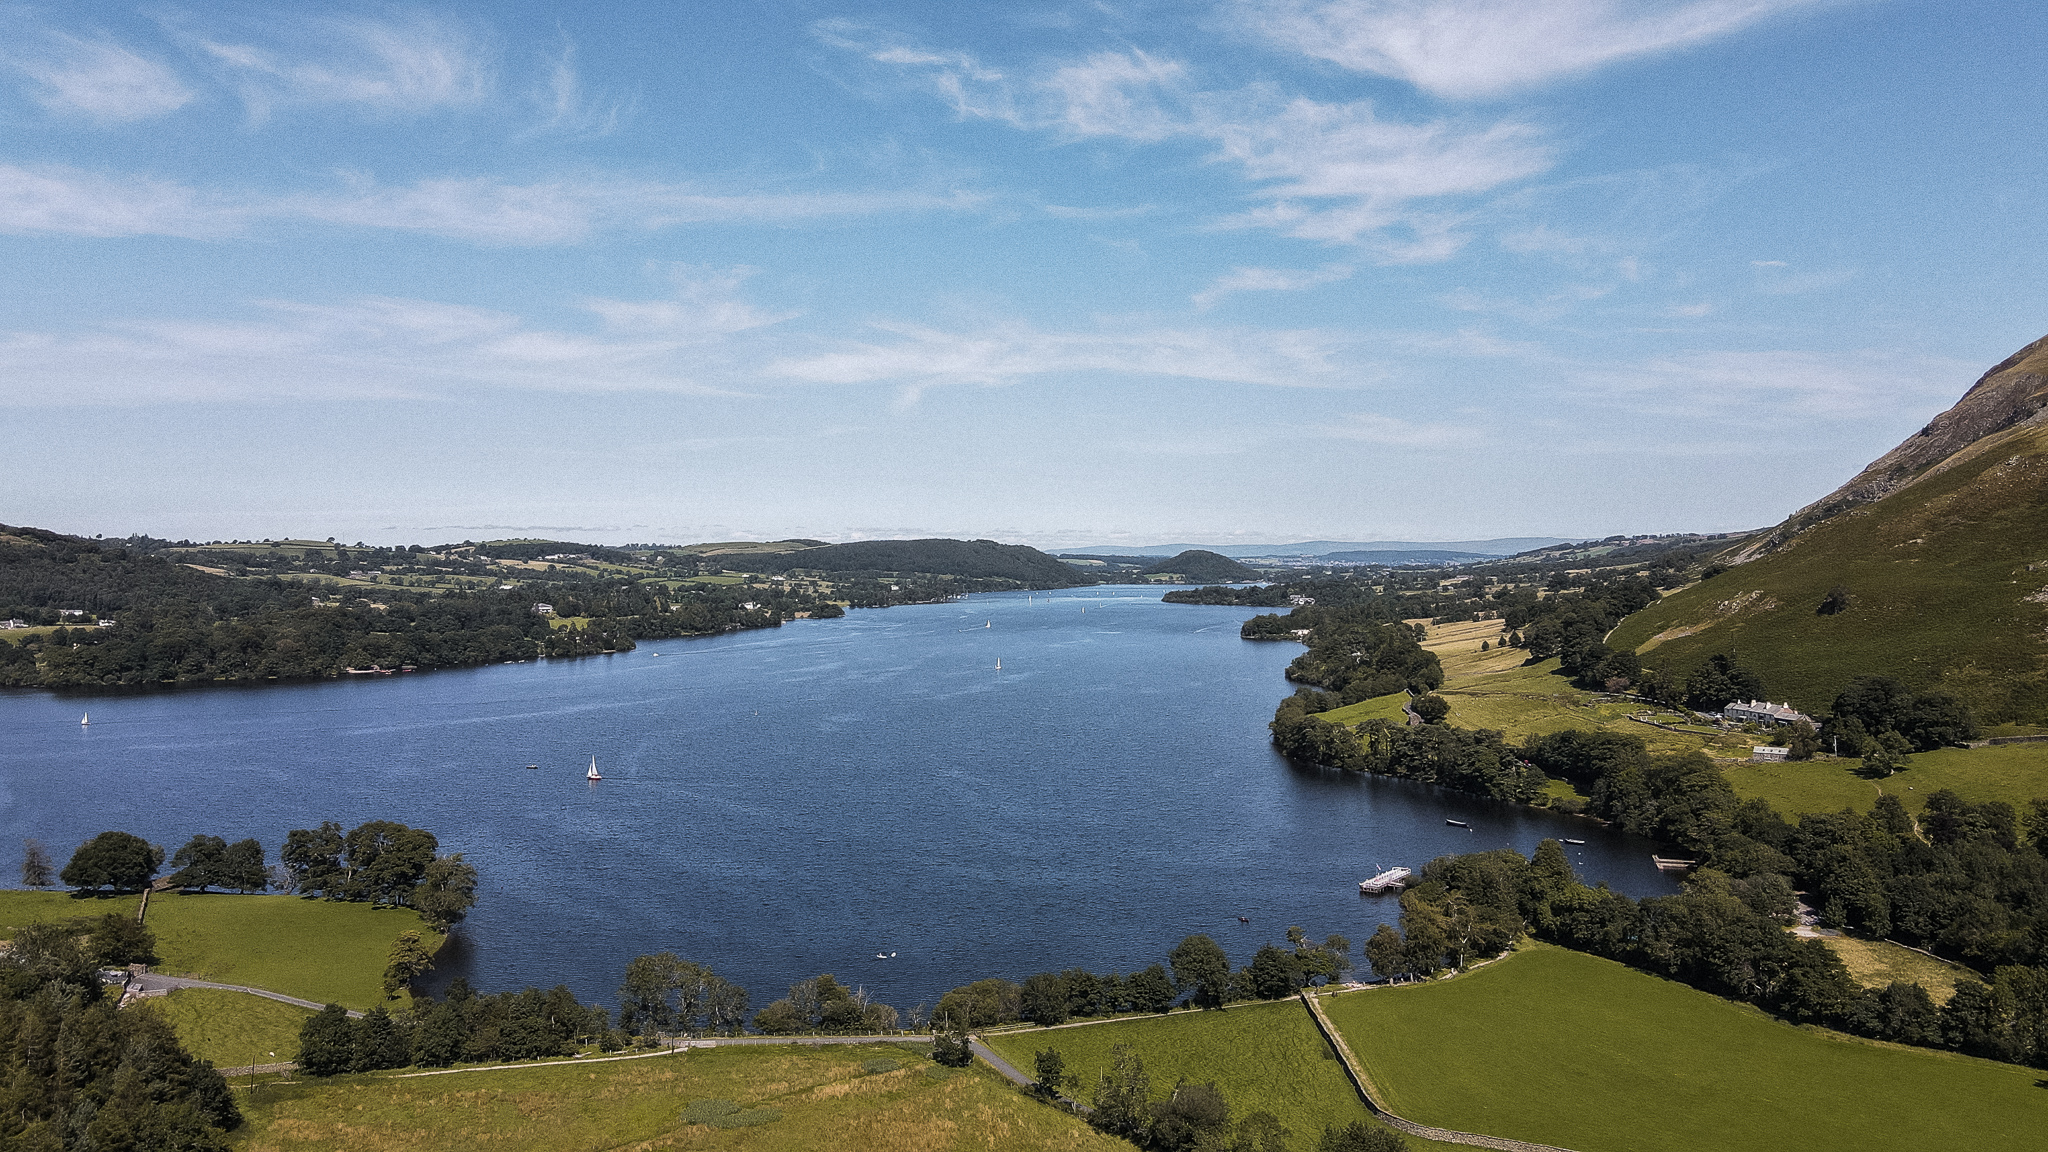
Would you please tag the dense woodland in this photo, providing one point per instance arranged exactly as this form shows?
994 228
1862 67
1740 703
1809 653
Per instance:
76 1074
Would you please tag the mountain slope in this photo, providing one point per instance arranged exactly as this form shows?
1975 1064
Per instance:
1941 546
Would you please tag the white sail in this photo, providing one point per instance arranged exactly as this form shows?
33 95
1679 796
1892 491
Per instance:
592 774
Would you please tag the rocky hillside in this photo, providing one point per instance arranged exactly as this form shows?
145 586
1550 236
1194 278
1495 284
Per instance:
1931 566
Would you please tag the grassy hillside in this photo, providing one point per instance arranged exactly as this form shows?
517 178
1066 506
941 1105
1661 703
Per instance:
1948 579
825 1097
1564 1048
233 1029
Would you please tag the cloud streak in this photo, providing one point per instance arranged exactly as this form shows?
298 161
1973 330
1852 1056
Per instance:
407 65
1478 49
1268 280
59 200
98 79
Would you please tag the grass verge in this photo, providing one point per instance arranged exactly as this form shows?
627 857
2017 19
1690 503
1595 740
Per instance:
320 950
1563 1048
232 1029
821 1098
1876 963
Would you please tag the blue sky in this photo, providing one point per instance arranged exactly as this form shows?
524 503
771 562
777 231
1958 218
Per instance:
1060 273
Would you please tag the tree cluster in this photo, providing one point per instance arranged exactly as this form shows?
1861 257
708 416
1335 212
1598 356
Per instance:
526 1025
1358 658
664 992
381 862
1474 761
76 1074
1878 712
824 1005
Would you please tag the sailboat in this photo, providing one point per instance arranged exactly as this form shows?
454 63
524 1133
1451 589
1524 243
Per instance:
85 720
999 663
989 624
592 774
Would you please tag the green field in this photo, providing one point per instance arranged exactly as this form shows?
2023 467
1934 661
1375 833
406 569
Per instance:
1262 1056
232 1029
325 951
825 1097
1876 963
1386 707
2014 773
1563 1048
21 907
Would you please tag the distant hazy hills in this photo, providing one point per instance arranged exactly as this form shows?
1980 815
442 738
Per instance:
1199 566
1477 549
1940 547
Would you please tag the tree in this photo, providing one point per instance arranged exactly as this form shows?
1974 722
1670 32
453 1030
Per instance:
949 1045
380 1042
387 861
1200 967
1720 680
409 960
446 891
1387 952
241 867
1044 999
1150 990
313 857
1432 708
1259 1132
1272 974
1121 1096
116 860
1051 1071
199 862
118 940
1192 1116
37 870
327 1042
1836 602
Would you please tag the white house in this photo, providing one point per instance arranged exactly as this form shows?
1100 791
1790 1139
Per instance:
1762 712
544 609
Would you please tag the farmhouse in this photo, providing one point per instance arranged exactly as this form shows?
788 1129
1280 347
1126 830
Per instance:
1762 712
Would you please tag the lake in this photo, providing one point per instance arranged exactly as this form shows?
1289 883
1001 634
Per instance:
793 801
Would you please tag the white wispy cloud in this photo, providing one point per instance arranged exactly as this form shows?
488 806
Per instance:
1470 49
387 347
922 356
1748 386
97 79
61 200
1330 171
407 63
566 107
1269 280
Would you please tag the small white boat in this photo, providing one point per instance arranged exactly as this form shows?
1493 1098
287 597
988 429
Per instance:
1456 823
85 720
1569 840
999 663
1392 878
592 774
988 624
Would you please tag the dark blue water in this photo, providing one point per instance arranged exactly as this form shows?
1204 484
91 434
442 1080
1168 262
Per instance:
783 803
